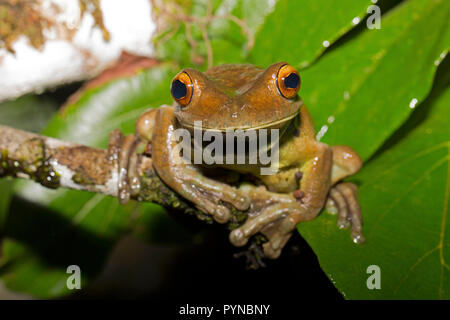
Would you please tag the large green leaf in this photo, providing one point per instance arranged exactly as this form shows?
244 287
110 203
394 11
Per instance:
362 91
116 104
299 31
30 112
76 227
404 195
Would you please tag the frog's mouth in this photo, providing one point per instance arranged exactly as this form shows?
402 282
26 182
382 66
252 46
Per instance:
277 124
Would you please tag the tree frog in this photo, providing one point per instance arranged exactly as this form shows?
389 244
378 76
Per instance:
246 97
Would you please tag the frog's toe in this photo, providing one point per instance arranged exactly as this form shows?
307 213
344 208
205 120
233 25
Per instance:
221 192
233 196
238 238
278 235
273 248
345 197
240 201
256 223
331 206
339 202
220 213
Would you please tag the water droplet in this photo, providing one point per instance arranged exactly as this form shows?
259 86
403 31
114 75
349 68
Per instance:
303 64
359 238
330 119
374 1
356 20
413 103
439 60
321 132
326 43
346 95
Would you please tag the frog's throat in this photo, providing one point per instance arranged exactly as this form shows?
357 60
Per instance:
272 124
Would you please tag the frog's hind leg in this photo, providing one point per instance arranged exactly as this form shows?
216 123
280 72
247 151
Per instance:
277 218
277 214
276 222
346 162
145 124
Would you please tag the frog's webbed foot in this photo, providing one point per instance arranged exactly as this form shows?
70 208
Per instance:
274 215
343 200
275 222
123 151
208 195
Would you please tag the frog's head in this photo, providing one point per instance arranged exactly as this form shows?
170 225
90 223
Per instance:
230 97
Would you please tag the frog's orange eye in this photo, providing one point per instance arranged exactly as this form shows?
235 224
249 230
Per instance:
288 81
182 88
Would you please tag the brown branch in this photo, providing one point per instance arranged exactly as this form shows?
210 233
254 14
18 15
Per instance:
54 163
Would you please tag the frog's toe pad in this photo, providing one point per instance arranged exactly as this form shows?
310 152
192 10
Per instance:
331 207
238 238
241 202
221 214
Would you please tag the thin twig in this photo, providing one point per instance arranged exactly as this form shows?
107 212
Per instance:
209 50
203 23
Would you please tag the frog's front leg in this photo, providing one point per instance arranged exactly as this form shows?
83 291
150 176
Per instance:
207 194
278 220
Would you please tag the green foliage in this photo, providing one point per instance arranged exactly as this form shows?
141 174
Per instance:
370 84
19 112
374 90
228 40
404 194
299 31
